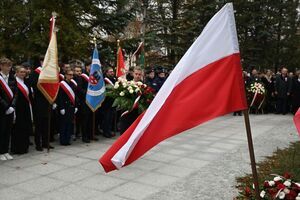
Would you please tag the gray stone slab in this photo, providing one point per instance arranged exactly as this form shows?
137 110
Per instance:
14 194
16 176
91 166
72 161
161 157
176 171
92 154
101 182
40 185
49 156
147 165
71 174
156 179
45 168
22 163
71 192
190 163
128 173
134 191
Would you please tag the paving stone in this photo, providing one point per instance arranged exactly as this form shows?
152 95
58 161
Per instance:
190 163
156 179
45 168
135 191
101 182
16 176
175 171
14 194
72 161
71 174
40 185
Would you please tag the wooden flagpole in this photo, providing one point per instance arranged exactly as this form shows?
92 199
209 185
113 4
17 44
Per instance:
252 155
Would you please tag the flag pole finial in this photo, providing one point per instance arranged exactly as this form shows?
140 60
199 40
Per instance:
54 14
118 42
95 41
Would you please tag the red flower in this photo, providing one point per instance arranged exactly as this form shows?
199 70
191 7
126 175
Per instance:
287 175
266 184
247 191
291 195
280 186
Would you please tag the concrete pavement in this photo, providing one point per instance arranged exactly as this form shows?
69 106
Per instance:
199 164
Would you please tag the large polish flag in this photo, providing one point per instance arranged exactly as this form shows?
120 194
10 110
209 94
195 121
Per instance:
206 83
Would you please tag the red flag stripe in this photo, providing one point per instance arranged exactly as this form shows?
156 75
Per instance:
202 90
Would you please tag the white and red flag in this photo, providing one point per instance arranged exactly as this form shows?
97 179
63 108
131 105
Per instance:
121 68
206 83
48 82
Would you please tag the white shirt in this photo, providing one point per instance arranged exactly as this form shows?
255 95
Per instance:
5 77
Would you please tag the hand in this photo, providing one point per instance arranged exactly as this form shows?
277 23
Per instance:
62 111
276 92
9 110
288 94
76 109
54 106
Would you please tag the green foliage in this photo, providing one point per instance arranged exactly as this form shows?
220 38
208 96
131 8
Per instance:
283 161
268 30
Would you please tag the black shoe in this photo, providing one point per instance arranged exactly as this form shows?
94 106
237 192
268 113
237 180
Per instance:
95 139
50 147
107 136
240 114
30 143
39 148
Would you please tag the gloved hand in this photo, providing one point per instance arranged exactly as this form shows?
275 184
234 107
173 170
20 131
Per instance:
54 106
9 110
76 109
62 111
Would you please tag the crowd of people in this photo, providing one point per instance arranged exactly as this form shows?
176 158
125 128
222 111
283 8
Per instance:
25 112
281 90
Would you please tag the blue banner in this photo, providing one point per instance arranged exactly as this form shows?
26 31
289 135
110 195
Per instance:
95 94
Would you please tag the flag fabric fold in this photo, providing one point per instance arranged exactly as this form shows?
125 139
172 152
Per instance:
206 83
297 121
96 88
121 68
138 57
48 82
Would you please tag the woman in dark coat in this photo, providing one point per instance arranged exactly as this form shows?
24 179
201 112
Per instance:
23 122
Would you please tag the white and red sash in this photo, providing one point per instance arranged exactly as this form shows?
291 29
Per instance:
108 81
74 82
85 77
68 90
61 77
25 91
6 88
38 70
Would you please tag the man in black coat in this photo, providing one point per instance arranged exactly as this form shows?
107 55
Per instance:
7 103
106 109
67 106
41 110
283 88
296 92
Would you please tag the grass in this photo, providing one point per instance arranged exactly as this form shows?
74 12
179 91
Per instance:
282 161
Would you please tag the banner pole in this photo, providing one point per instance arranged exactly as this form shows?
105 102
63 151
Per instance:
49 128
93 128
251 153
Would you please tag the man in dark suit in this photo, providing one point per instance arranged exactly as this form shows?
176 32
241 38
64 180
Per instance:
106 109
283 88
7 103
41 110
